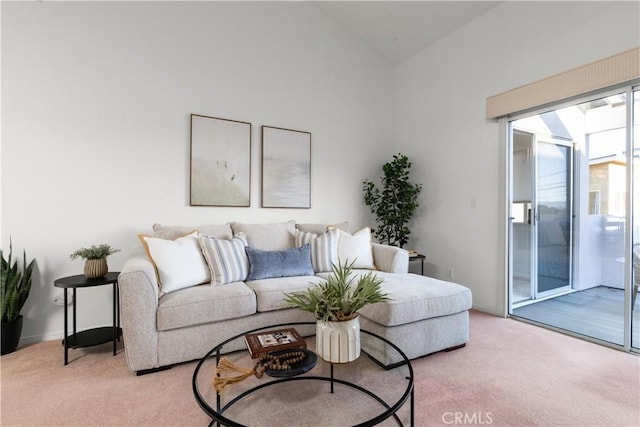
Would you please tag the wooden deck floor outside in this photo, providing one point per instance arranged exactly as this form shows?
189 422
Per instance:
597 312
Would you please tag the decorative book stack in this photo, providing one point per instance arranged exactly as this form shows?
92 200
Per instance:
268 341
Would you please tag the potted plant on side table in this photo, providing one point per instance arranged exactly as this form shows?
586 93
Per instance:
16 285
335 304
95 258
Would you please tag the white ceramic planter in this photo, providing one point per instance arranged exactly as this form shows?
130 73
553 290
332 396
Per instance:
338 342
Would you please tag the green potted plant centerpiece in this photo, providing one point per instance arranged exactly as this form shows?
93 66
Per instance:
393 204
16 285
335 304
95 258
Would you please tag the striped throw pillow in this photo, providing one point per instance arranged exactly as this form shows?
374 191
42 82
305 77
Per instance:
227 259
324 248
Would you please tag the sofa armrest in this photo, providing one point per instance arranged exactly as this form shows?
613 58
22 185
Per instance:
390 259
138 289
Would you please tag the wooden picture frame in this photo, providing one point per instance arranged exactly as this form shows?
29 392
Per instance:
286 168
220 162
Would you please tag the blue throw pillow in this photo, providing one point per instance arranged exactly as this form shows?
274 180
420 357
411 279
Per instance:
290 262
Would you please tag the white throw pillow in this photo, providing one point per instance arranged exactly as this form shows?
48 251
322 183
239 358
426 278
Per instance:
324 248
179 263
356 248
227 259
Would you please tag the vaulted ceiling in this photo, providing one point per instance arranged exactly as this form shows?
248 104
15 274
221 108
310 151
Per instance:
400 29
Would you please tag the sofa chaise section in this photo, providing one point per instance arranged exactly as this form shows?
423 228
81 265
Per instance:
426 315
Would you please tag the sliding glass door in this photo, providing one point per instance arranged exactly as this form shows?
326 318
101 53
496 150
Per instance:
542 220
634 312
552 216
571 238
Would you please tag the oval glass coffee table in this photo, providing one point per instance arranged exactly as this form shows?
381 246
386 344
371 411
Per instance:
359 393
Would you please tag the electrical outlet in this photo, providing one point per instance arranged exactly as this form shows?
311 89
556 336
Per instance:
59 299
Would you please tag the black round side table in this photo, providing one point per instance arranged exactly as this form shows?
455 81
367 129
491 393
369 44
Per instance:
421 258
95 336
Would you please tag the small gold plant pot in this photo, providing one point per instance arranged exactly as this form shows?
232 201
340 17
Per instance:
95 268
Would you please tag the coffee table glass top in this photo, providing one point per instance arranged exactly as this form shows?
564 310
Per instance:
361 392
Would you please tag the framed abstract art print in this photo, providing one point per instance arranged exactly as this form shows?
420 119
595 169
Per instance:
286 168
220 162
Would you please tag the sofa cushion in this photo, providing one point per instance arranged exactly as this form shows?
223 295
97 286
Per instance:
269 236
221 231
204 304
287 263
321 228
415 297
324 248
270 292
178 263
356 248
227 259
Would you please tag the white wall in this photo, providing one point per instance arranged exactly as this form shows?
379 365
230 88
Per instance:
458 154
95 123
96 100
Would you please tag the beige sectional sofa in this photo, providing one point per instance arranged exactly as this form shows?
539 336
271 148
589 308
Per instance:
165 322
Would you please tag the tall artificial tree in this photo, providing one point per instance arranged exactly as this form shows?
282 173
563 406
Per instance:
394 203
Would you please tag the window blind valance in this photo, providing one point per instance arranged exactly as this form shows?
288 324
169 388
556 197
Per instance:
610 71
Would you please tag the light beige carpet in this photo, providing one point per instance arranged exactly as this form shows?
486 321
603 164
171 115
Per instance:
510 374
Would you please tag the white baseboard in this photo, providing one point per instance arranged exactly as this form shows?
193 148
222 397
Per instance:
33 339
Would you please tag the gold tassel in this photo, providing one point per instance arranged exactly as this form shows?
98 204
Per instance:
225 366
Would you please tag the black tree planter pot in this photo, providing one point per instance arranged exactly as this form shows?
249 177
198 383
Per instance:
11 332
